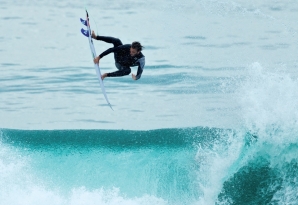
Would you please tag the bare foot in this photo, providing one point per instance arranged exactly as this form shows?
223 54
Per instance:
104 76
93 35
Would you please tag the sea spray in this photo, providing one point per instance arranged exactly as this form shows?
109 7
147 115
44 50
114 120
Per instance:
268 111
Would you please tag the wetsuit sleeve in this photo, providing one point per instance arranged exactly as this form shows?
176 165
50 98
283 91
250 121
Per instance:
110 50
141 63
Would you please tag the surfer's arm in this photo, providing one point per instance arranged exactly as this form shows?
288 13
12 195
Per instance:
111 50
141 66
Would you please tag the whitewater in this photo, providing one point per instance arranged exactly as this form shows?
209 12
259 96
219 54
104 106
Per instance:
213 120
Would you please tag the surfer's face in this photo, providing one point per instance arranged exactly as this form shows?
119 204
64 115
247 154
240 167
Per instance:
133 51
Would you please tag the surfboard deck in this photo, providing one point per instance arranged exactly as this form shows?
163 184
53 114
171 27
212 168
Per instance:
87 33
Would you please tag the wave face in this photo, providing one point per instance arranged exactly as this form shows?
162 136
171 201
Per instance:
166 166
105 166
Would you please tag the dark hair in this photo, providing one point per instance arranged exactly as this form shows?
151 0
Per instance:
136 45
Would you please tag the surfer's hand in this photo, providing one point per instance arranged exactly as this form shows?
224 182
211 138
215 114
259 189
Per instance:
133 76
104 76
96 60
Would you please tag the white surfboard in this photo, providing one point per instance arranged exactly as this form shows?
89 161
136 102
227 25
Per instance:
87 33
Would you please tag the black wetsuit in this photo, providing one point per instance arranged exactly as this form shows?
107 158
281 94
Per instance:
123 59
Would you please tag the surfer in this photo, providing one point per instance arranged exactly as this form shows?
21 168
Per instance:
125 56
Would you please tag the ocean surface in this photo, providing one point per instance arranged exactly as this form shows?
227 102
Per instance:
213 119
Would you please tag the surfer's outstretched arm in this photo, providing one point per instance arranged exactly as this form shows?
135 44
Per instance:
108 51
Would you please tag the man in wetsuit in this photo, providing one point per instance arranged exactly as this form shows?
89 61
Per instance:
125 56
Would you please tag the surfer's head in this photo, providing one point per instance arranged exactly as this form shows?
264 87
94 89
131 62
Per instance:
135 48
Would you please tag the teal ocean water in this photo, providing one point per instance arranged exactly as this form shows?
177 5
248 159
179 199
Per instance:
213 120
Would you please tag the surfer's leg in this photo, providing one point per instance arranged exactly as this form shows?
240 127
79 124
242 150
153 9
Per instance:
118 66
124 71
115 41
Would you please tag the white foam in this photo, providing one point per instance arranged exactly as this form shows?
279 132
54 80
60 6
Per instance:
19 186
35 195
215 163
269 107
269 110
